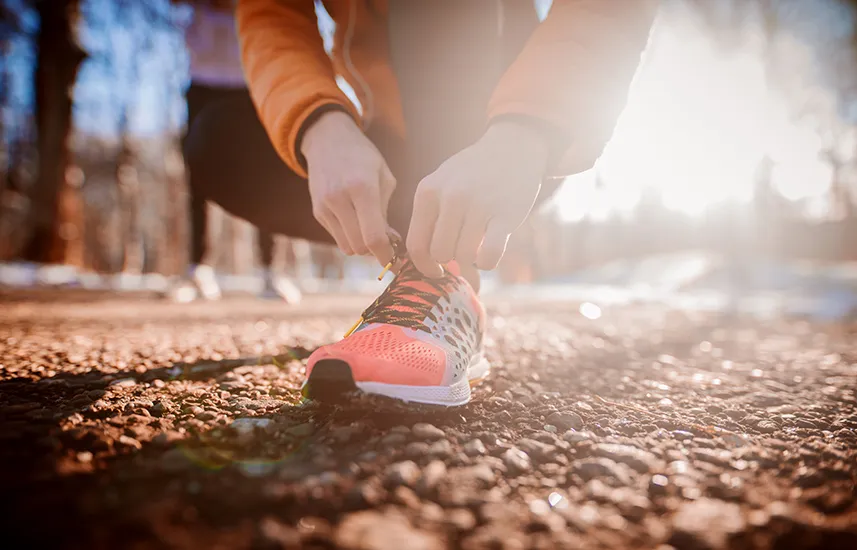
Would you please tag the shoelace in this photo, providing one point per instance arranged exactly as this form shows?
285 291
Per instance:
403 303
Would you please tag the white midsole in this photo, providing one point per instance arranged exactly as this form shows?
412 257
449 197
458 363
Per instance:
457 393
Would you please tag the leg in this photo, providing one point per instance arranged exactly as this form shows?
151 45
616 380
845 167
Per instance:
266 249
198 228
236 166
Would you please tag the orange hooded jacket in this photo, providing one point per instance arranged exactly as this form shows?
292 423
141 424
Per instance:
573 73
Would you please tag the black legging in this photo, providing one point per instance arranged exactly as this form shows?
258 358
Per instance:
201 99
233 163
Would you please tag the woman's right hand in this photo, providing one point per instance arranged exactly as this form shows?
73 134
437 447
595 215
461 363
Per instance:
350 185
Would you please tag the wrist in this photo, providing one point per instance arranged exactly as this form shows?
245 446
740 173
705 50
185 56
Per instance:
520 139
331 122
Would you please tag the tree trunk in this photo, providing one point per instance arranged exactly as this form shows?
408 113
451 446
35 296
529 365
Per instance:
57 229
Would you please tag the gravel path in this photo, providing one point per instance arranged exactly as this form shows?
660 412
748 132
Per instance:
124 424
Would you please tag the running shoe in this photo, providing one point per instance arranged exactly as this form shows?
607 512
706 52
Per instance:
420 341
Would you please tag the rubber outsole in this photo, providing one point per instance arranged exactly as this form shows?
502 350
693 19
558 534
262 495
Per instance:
332 380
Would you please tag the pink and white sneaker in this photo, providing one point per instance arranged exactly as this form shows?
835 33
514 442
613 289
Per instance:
420 341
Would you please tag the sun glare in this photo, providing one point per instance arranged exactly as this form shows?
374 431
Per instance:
697 125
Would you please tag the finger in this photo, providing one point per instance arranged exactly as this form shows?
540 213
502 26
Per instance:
373 224
388 185
421 231
331 224
470 239
493 245
444 240
343 208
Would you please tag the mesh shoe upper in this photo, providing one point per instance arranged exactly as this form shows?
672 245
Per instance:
418 332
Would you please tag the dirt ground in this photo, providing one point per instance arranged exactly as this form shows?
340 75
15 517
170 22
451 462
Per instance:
123 425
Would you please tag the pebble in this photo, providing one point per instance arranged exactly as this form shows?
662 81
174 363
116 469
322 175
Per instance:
364 494
123 383
417 449
637 459
441 449
565 421
427 432
345 434
719 458
279 534
766 427
593 468
393 440
432 475
517 461
480 475
372 530
460 519
403 473
536 449
475 447
576 437
130 442
706 524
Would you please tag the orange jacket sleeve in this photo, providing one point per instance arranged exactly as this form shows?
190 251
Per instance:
289 74
574 75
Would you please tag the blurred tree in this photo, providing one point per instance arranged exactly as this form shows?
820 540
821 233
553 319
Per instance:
56 209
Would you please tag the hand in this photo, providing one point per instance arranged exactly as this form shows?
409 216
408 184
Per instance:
350 185
467 209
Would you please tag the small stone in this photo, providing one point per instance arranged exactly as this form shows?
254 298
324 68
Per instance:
406 497
766 426
123 383
706 524
517 461
158 409
130 442
594 468
637 459
565 421
165 438
205 416
364 494
85 457
576 437
475 447
427 432
372 530
480 475
279 534
719 458
345 434
403 473
417 449
461 519
433 473
536 449
394 440
441 449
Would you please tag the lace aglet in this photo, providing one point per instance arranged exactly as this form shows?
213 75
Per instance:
387 268
353 328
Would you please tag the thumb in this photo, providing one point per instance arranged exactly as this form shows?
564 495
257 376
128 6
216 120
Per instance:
493 245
